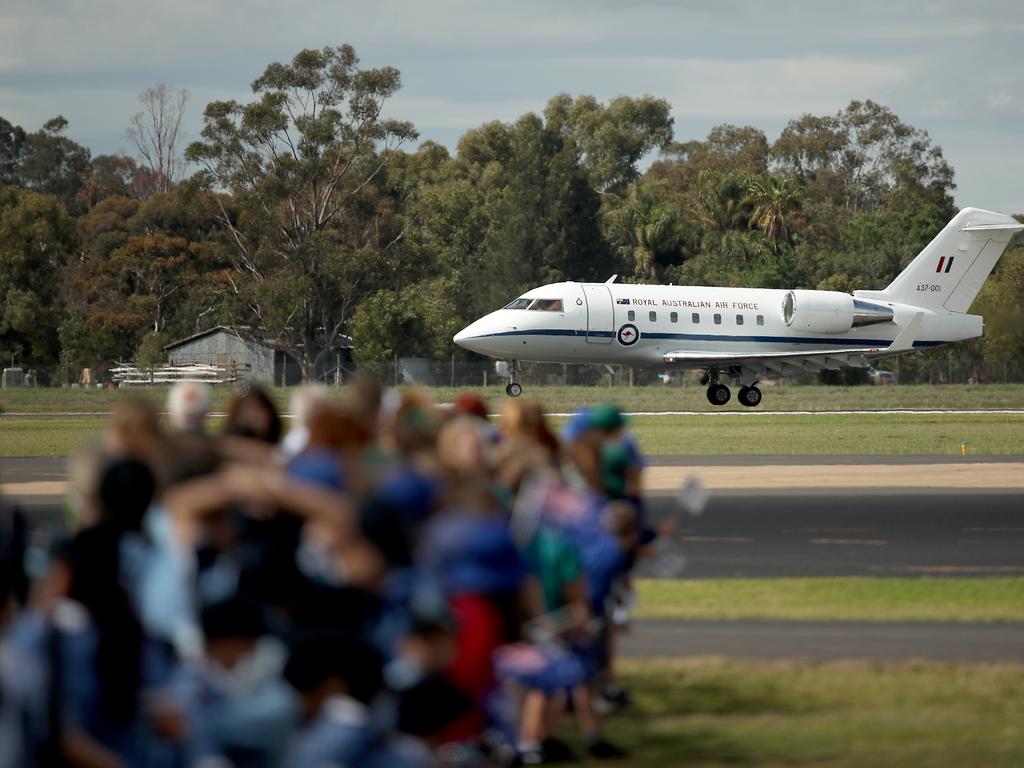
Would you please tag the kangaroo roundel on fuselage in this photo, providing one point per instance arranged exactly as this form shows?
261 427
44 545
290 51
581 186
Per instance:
628 335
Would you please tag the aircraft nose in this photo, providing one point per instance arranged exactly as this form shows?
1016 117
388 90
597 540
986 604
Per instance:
464 338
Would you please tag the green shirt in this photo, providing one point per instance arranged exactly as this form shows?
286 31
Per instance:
556 561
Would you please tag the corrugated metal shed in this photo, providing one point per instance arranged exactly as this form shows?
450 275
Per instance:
226 347
235 346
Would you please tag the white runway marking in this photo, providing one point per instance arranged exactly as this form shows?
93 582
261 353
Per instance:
845 542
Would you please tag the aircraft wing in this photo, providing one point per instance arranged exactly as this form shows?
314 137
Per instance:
790 362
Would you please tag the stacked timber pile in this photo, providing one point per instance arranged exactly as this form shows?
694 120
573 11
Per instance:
130 376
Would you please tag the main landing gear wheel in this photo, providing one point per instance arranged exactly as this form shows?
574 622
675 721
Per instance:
718 394
514 389
749 396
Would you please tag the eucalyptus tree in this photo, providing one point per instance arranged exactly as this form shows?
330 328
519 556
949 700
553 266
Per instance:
303 162
859 155
155 132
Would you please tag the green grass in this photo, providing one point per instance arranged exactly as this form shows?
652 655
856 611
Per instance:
711 712
47 437
563 399
882 434
840 599
67 400
781 398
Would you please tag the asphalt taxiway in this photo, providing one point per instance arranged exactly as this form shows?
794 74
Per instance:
923 525
821 641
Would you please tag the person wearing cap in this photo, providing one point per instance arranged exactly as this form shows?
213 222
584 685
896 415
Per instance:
188 405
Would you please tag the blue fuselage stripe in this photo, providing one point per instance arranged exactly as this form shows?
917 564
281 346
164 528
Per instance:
712 337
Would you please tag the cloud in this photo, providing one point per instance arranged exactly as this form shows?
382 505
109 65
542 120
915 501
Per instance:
757 88
944 65
436 113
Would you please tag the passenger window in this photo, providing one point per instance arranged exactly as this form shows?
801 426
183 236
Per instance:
653 316
696 318
631 315
760 319
718 319
739 319
674 317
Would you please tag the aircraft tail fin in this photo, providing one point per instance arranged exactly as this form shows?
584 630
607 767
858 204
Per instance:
949 272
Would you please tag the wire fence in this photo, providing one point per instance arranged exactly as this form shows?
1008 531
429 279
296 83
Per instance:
934 367
954 365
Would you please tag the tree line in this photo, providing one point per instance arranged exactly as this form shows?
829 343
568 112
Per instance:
311 214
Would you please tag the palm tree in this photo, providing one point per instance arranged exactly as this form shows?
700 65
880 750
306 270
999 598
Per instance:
774 206
645 229
723 199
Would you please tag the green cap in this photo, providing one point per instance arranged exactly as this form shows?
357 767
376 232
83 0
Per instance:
607 417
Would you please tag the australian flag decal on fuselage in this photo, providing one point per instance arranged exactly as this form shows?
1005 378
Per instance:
622 301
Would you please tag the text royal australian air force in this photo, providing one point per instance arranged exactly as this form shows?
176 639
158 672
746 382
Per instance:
691 303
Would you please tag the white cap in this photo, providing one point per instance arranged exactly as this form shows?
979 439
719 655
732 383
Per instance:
188 404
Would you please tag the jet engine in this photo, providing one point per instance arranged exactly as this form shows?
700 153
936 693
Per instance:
831 311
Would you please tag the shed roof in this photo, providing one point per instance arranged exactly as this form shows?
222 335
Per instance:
243 332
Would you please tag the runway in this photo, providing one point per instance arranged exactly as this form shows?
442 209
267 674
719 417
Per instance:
921 529
827 641
916 529
847 533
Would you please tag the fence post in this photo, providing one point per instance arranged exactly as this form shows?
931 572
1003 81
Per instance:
396 369
453 370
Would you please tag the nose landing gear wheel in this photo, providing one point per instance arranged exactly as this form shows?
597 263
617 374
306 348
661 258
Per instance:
718 394
514 390
749 396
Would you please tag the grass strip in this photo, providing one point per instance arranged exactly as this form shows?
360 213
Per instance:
881 434
713 712
834 599
565 399
47 437
861 433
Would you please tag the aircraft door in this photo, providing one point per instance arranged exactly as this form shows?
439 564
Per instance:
600 314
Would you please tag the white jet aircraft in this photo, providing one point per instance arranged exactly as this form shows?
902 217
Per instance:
749 333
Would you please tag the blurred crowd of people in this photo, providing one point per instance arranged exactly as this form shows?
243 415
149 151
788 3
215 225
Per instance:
384 583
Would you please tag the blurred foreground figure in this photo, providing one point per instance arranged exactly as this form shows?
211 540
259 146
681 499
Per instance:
398 585
254 415
303 405
188 405
133 431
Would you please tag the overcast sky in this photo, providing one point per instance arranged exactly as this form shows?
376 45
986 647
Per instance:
951 68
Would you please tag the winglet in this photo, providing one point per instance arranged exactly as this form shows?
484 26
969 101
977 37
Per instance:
904 341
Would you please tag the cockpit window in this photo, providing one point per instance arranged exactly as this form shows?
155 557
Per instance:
518 304
546 305
536 305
